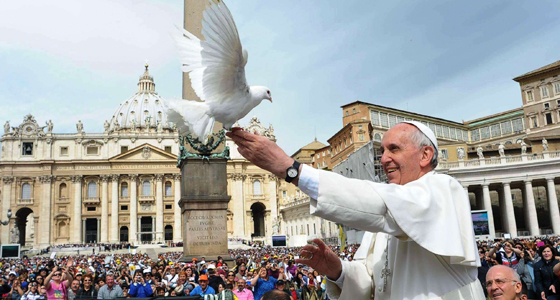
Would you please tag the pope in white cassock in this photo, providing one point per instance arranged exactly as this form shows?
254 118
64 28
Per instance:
420 241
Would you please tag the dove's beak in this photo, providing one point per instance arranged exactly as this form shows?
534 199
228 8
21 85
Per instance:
270 99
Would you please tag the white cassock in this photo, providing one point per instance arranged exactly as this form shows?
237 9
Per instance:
425 225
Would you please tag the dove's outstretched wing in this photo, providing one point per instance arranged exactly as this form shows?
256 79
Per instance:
216 66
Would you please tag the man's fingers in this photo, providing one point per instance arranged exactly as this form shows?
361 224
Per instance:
320 244
245 135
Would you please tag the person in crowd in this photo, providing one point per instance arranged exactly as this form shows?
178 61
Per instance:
503 283
55 285
300 284
546 283
182 289
241 292
274 271
214 280
140 289
124 277
241 272
525 270
508 257
483 269
74 288
276 295
281 285
262 282
87 291
160 291
230 278
110 290
32 293
148 276
203 288
293 292
16 292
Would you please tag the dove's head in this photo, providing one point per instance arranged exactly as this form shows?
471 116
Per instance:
261 93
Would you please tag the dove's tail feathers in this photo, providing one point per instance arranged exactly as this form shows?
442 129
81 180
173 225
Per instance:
190 116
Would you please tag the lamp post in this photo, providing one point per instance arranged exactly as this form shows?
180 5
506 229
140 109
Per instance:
9 216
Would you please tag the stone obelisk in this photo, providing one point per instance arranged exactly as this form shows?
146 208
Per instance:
204 199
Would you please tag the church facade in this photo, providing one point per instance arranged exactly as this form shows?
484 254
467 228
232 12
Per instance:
120 185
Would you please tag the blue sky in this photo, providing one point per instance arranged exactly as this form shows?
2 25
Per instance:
78 60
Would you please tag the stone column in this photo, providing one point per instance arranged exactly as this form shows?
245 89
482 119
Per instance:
531 210
273 199
98 229
177 236
193 23
84 230
487 205
238 200
115 208
508 202
159 208
153 229
45 218
133 209
77 230
553 205
7 198
104 209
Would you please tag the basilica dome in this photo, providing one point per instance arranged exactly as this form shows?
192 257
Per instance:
144 110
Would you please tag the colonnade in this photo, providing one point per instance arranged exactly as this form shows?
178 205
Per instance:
483 201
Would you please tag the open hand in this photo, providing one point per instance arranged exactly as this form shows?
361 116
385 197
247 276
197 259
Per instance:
322 259
261 151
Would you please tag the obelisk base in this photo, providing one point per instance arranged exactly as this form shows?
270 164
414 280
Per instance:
204 204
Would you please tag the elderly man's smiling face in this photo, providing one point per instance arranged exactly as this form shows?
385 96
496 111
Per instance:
403 160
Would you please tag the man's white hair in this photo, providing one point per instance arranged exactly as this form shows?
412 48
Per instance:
421 140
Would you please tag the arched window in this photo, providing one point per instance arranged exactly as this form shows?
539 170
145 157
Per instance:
62 190
124 189
92 190
377 137
26 191
168 189
146 188
256 187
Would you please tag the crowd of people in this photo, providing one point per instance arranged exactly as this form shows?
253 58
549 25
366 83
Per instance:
534 265
107 275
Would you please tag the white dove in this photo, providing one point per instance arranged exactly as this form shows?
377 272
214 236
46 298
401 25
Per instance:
216 67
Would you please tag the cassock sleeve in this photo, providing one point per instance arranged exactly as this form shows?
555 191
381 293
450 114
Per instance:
356 286
433 211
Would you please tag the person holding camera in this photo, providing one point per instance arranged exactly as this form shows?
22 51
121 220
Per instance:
32 293
56 287
139 289
505 254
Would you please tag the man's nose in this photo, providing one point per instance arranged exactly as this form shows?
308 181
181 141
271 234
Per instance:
385 157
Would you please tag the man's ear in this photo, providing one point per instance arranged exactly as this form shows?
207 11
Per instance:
427 155
518 287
